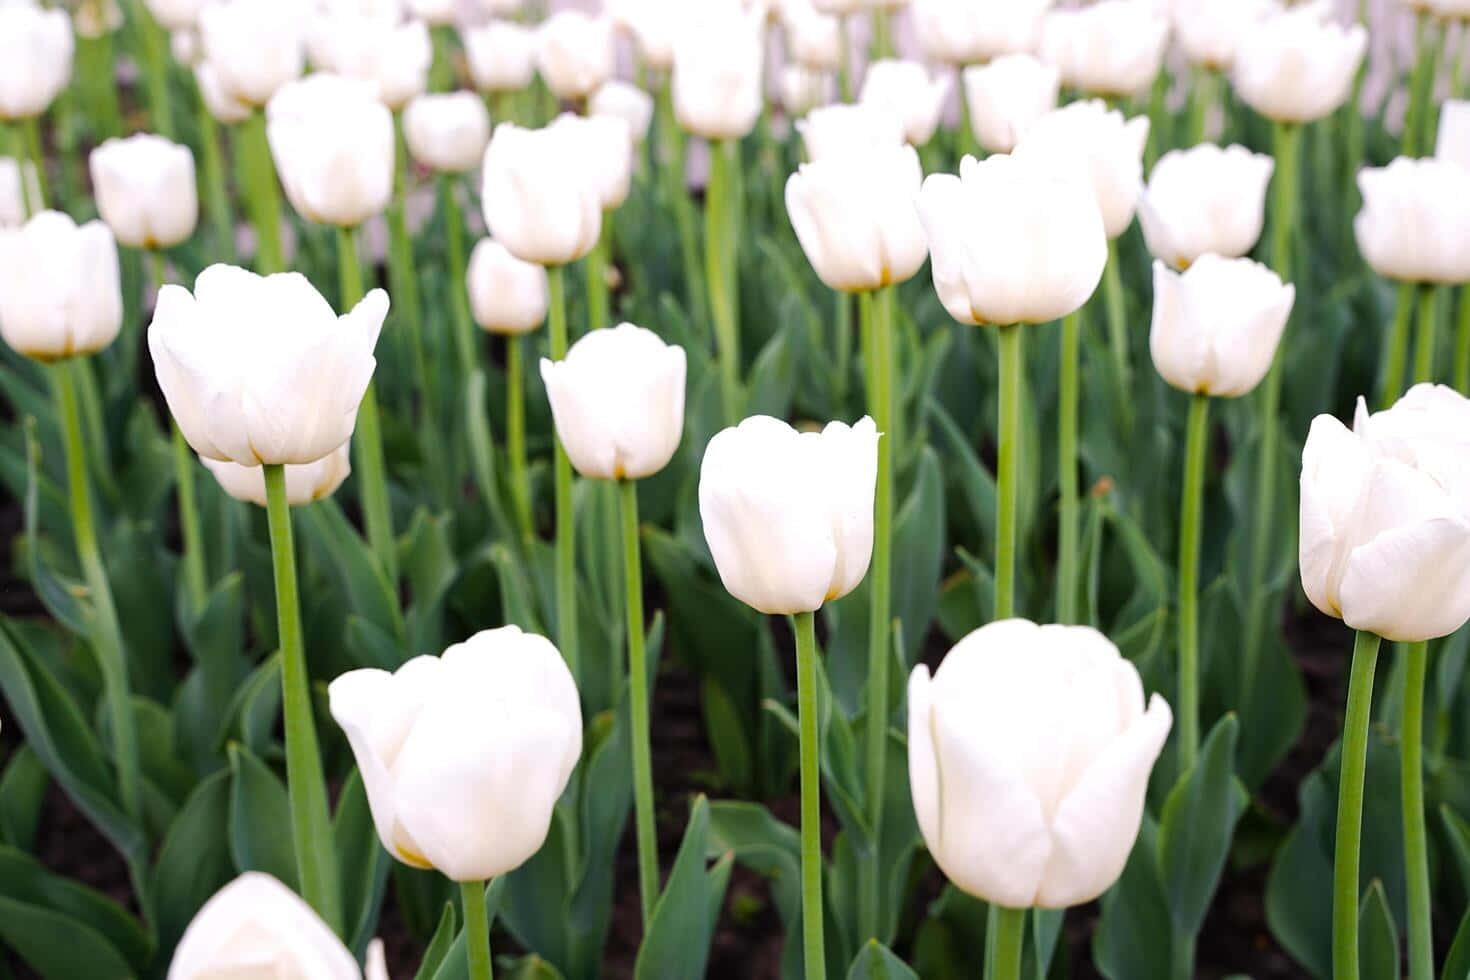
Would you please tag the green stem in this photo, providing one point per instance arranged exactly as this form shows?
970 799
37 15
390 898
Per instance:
1417 124
1416 849
1160 121
1115 307
464 329
31 128
966 141
566 531
1350 809
1067 531
155 51
717 279
265 196
22 154
402 277
441 70
98 72
1462 344
596 268
638 684
844 61
1428 337
1204 96
1010 926
813 948
1396 356
216 193
476 930
842 343
672 147
882 34
515 436
1007 441
1182 950
1190 508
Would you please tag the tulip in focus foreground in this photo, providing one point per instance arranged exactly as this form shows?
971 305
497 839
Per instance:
145 190
1204 200
60 289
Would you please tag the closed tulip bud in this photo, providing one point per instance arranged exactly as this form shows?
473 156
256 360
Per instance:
963 32
255 46
1414 220
718 58
35 58
60 291
447 133
1010 243
437 12
804 89
176 15
651 24
621 100
618 402
1114 47
17 199
256 926
259 369
221 104
93 19
1211 32
855 218
603 146
1298 67
849 130
145 190
540 203
507 296
788 515
501 56
1203 200
1216 327
465 755
1029 756
305 483
813 39
394 56
574 53
1108 148
333 146
1385 516
1453 139
905 90
1007 96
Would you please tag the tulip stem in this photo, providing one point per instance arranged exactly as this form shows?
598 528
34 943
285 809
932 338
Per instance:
1396 357
1462 344
1428 338
97 68
1114 305
1010 926
813 949
403 285
1202 99
671 161
476 930
566 531
1067 531
155 51
107 631
882 34
31 129
844 59
217 197
638 685
719 260
1418 124
1190 508
441 69
265 196
1350 808
1416 851
464 330
515 435
596 267
1007 445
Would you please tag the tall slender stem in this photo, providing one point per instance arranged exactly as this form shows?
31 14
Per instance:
671 152
464 330
155 45
882 34
97 68
717 241
638 684
403 279
845 72
1007 441
265 196
1202 99
566 531
31 130
476 930
1350 808
1190 508
1396 353
22 154
813 949
216 194
1416 849
1417 124
441 69
1428 338
1010 938
596 268
1462 343
515 434
1160 121
1114 305
1068 521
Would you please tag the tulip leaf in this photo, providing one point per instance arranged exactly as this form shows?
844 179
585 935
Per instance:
259 810
772 379
194 861
344 553
1135 932
1457 962
440 945
453 963
24 880
63 598
727 737
677 940
877 962
251 716
482 451
430 567
363 863
1378 938
22 793
532 967
57 945
1196 828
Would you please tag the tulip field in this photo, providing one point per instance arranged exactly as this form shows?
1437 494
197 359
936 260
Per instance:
763 489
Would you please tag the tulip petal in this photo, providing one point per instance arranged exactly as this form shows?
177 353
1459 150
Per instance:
923 763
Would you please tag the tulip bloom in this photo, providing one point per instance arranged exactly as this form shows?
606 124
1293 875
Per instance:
651 24
1412 226
60 290
305 484
507 296
18 199
849 130
574 53
804 89
394 56
175 15
1109 147
255 46
603 147
1211 32
465 755
1299 66
35 58
906 91
258 369
1453 141
540 202
1007 96
624 101
332 142
145 190
447 133
963 32
222 105
718 57
813 39
1029 757
501 56
436 12
1205 199
1114 47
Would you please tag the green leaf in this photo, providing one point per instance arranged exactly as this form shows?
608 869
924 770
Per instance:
194 861
348 558
252 714
877 962
440 945
430 567
260 819
59 946
762 844
1457 962
1134 935
772 379
23 879
1196 828
677 940
532 967
22 792
482 452
1378 938
727 737
363 862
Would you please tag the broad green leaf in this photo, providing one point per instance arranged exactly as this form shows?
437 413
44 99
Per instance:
440 945
1457 962
251 716
877 962
260 819
363 864
22 792
23 879
57 945
347 556
1196 828
1134 936
194 861
676 942
1378 939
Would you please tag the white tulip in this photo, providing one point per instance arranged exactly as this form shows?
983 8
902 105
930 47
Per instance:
1006 96
1211 32
35 59
1010 243
540 202
1114 47
965 32
849 130
175 15
1413 226
394 56
185 46
1385 516
507 296
18 200
437 12
804 89
305 483
257 927
501 56
718 56
813 39
1205 199
464 756
1216 327
1453 140
574 53
447 133
93 19
603 147
1029 757
1299 67
145 190
652 25
906 91
222 105
622 100
255 46
333 146
788 515
1108 148
618 402
259 369
60 290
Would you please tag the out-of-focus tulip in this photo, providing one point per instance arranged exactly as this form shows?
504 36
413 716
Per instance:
541 204
17 200
92 19
60 292
501 56
1453 140
622 100
507 295
436 12
717 71
1011 243
618 402
1006 96
176 15
1414 220
464 756
35 58
255 46
574 53
447 132
788 515
305 484
185 46
145 190
1299 66
652 25
258 369
849 130
905 90
603 148
332 142
963 32
1211 32
1029 757
1115 47
1205 199
1108 148
394 56
855 218
813 39
804 89
1385 516
1216 326
222 105
256 926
